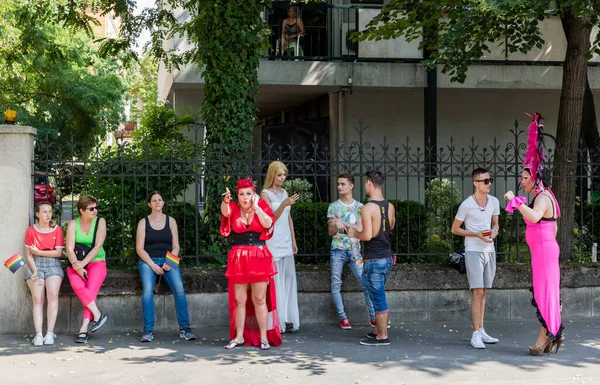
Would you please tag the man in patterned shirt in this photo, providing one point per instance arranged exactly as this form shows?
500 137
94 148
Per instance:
343 213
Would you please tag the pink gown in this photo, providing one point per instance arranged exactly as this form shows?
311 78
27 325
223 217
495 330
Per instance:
545 271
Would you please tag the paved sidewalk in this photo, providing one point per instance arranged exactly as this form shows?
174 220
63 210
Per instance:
420 353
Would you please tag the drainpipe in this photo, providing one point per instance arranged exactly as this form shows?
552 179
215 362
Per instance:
430 112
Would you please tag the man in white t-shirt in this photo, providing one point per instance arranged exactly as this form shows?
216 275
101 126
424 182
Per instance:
479 212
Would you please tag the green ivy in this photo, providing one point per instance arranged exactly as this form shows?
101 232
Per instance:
230 36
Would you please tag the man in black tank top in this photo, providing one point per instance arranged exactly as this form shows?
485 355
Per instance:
378 220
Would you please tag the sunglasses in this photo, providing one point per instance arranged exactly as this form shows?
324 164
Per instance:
486 180
92 208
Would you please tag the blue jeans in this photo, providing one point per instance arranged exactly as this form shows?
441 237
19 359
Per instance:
375 275
173 278
338 259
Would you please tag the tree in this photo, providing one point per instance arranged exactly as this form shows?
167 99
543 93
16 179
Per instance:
228 38
54 76
461 32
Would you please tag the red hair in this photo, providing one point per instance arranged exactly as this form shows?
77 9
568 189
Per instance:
245 183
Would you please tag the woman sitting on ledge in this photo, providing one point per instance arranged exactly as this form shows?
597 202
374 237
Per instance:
156 235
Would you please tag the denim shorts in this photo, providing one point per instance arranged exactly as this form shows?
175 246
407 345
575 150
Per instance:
375 275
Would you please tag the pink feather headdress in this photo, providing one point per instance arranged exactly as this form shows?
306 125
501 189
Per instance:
535 157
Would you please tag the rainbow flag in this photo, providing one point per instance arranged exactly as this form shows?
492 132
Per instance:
171 259
14 263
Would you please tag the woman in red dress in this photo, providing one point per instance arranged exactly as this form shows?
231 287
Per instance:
250 269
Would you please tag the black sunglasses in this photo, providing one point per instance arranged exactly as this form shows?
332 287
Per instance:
486 180
92 208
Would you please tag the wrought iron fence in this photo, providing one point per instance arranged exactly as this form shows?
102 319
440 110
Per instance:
425 184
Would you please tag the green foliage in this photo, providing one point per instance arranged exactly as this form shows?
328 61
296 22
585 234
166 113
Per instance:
442 198
412 224
142 81
458 33
127 174
53 75
587 230
300 186
159 123
229 37
310 227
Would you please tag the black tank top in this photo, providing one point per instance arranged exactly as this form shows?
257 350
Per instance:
379 246
551 219
158 242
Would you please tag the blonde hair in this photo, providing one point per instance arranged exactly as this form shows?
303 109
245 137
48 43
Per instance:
274 168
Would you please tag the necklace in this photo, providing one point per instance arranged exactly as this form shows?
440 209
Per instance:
247 214
478 205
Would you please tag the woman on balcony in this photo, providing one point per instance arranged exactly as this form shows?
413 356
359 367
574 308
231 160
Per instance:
290 30
540 217
44 245
88 274
250 269
283 246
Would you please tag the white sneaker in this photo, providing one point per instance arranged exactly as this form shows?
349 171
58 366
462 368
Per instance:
486 338
38 340
476 341
49 339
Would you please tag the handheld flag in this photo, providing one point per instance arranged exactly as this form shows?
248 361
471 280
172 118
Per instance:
14 263
171 259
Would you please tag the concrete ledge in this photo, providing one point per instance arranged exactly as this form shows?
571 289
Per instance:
316 279
415 293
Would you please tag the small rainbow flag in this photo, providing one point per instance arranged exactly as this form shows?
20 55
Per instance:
14 263
171 259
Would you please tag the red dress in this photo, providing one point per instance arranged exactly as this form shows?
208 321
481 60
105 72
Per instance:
249 264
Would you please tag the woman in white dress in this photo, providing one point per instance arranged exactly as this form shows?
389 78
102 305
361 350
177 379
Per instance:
283 246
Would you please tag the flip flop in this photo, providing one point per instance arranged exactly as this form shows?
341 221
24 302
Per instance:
234 344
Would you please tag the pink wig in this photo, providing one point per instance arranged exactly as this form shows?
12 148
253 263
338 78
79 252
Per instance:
534 157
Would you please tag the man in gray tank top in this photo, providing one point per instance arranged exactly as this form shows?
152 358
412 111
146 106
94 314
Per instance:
378 220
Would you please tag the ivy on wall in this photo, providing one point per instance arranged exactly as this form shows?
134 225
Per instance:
230 37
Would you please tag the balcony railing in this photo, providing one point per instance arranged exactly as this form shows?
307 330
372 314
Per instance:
328 27
327 31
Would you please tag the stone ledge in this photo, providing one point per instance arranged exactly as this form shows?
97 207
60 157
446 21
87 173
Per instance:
316 279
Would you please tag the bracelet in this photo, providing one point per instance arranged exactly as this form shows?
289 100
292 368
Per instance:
495 230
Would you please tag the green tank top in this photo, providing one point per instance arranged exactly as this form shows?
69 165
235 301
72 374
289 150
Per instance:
86 239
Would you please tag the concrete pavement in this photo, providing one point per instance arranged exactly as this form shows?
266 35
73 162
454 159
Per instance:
420 353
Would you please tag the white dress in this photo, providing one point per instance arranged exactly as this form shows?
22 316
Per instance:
280 246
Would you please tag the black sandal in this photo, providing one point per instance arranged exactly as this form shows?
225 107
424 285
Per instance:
264 345
234 344
82 338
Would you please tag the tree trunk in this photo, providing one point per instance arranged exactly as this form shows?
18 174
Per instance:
589 132
568 128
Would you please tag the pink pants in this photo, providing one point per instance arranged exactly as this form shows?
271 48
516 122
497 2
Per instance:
87 291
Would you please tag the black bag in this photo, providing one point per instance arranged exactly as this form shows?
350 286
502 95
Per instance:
81 250
457 261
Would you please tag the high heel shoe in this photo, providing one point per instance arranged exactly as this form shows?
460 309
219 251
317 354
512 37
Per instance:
539 350
559 342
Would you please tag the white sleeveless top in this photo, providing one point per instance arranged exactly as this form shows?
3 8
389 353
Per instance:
281 243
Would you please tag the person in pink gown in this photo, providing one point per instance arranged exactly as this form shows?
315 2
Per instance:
540 217
253 317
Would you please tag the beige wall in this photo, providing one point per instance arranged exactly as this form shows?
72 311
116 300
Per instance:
469 117
16 147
